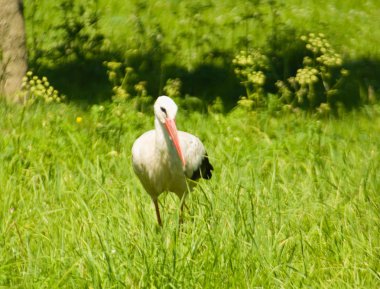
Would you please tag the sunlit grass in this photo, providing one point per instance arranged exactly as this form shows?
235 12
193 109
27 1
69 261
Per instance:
293 203
189 30
351 25
294 200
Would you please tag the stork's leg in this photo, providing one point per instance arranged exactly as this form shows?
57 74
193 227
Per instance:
157 212
183 205
181 213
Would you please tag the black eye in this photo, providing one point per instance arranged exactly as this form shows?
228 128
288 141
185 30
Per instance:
163 110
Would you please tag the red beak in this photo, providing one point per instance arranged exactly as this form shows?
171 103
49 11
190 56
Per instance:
173 133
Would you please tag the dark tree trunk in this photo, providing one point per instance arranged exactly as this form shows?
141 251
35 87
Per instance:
13 54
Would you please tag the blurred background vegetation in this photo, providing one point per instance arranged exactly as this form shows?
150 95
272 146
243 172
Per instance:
320 56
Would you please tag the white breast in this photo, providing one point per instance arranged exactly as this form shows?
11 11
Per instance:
157 170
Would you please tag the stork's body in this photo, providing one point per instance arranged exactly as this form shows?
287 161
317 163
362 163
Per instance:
165 159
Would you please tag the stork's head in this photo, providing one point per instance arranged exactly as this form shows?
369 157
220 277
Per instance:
165 111
165 108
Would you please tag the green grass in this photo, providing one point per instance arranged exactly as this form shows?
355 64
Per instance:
293 203
294 200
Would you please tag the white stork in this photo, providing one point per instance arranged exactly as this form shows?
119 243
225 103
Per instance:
164 159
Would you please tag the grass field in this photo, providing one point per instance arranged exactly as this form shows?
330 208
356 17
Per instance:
294 200
293 203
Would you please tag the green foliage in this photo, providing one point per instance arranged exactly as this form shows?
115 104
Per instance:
80 36
74 35
293 202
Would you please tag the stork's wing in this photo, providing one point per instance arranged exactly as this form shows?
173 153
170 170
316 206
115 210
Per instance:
197 162
142 159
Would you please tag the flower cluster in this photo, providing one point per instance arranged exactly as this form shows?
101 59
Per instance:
321 48
112 69
306 76
250 67
322 74
119 93
141 88
248 64
256 78
316 85
317 43
34 88
330 60
172 87
245 103
121 87
252 59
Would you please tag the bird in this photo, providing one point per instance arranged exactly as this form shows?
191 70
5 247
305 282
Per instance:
168 160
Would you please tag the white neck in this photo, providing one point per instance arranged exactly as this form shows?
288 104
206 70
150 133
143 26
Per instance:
164 146
163 141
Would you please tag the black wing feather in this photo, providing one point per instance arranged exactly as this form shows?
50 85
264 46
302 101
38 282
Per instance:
204 170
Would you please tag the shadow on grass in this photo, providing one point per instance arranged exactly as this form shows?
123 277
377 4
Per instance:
85 81
210 79
363 83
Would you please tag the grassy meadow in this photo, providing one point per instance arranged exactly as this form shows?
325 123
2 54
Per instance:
294 199
293 203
